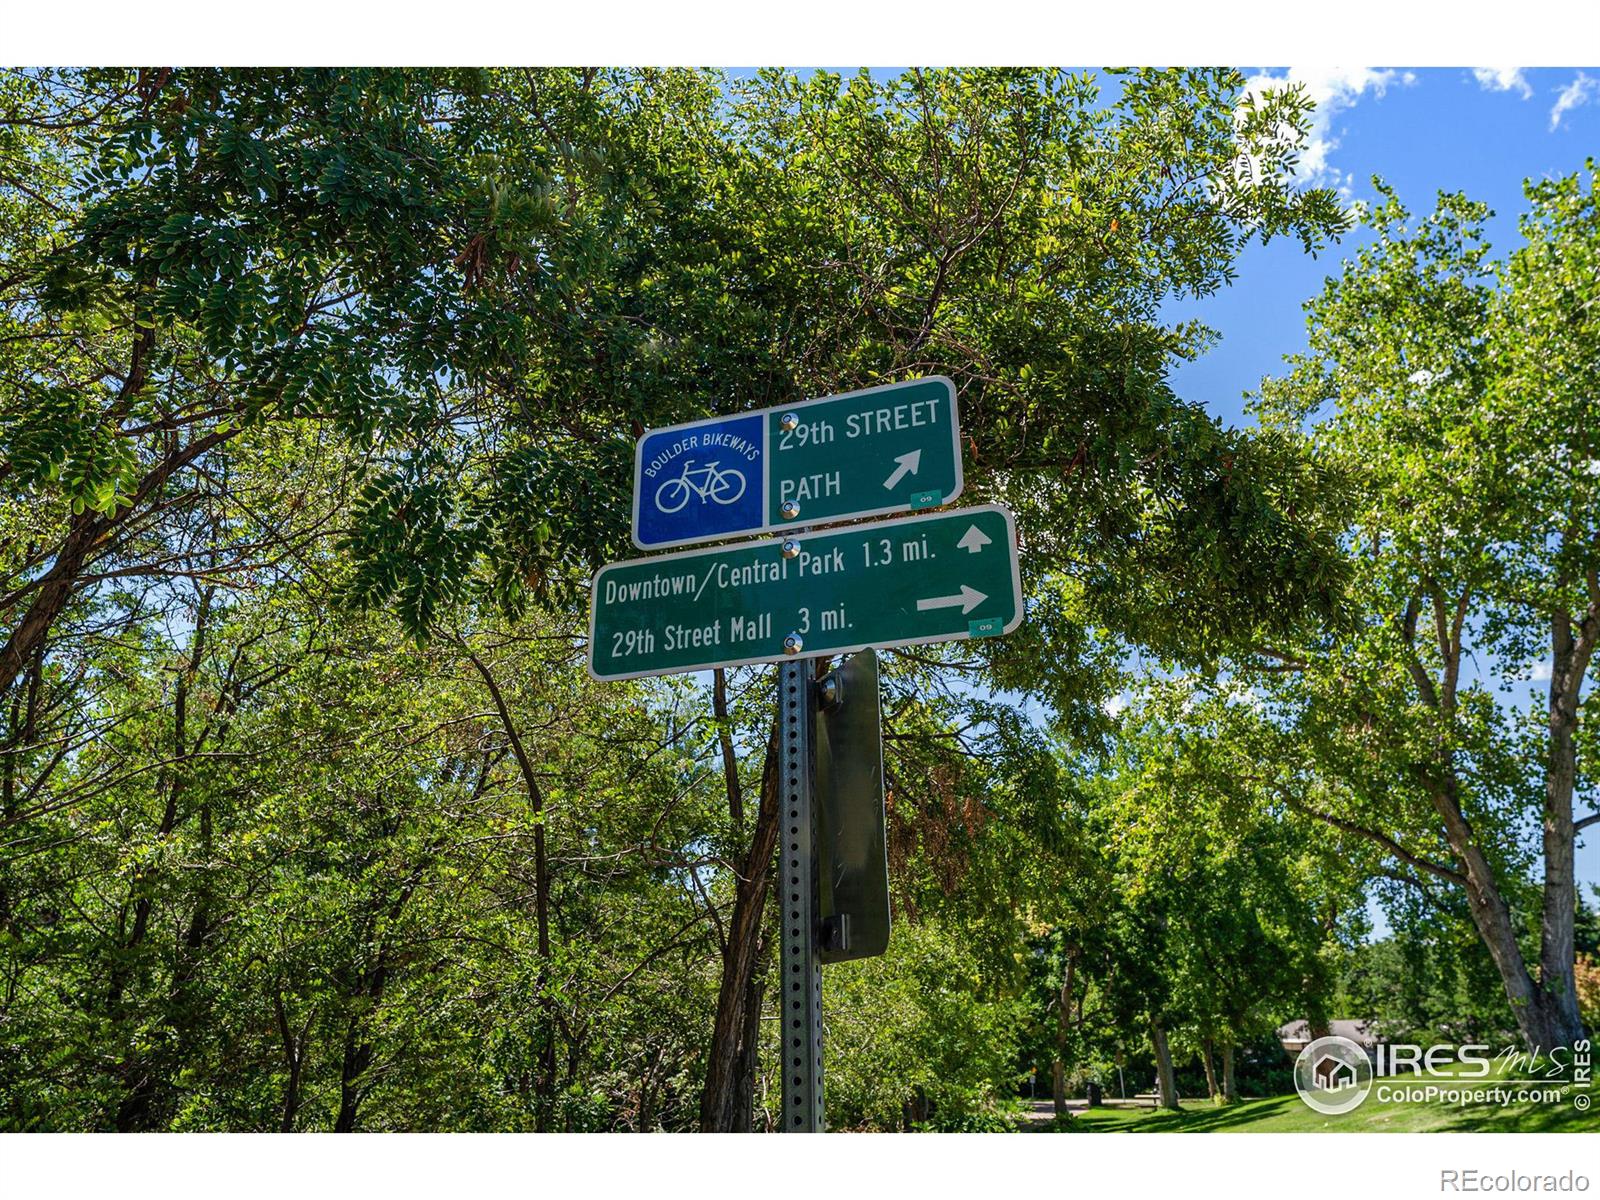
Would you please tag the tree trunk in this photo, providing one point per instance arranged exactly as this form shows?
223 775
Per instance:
545 1086
1490 913
21 729
1492 917
730 759
294 1058
1546 1011
1058 1069
357 1058
720 1098
750 1045
53 593
358 1045
647 1092
1230 1088
545 1112
1558 997
139 1071
1166 1085
1212 1089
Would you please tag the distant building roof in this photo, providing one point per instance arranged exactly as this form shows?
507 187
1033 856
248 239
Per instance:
1296 1034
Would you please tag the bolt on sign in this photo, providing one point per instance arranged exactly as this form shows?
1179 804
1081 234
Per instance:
929 578
889 449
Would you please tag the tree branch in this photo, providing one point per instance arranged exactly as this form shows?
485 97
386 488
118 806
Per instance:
1380 839
1419 673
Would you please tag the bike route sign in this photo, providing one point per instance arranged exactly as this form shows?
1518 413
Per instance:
929 578
889 449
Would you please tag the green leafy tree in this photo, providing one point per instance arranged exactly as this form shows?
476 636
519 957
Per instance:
276 345
919 1038
1463 417
1240 915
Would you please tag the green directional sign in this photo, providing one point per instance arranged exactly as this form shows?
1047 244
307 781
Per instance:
931 578
861 454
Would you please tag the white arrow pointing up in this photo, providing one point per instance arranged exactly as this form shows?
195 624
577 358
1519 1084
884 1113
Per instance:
974 539
908 466
967 600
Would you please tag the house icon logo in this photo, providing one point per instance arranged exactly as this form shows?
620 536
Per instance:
1333 1075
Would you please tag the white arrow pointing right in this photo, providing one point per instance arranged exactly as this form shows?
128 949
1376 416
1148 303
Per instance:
974 539
966 600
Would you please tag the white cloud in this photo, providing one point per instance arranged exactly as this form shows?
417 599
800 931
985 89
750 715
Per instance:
1116 705
1332 90
1503 79
1575 95
1541 672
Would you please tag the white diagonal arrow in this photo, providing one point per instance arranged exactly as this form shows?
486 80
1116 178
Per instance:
967 600
908 466
974 540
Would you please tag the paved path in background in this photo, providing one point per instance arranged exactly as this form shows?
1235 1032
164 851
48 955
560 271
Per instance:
1042 1112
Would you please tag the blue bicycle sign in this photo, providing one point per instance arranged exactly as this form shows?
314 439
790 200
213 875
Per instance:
701 481
708 482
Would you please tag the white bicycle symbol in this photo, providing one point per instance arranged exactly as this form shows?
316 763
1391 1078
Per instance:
707 482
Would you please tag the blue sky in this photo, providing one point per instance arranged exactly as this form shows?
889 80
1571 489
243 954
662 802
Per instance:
1424 131
1445 129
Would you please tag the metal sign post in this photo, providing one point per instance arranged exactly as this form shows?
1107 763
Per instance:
802 976
932 577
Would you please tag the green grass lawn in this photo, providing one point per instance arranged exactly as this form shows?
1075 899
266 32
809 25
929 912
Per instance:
1286 1114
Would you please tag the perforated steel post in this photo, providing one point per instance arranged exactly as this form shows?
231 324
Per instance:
802 977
